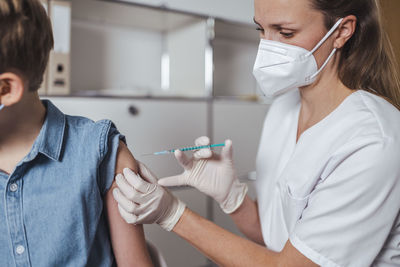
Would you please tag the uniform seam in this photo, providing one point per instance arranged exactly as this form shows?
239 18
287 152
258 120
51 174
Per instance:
374 115
296 241
375 140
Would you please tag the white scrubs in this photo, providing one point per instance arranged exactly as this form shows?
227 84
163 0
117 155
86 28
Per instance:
335 194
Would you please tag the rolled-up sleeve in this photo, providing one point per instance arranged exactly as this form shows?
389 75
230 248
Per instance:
109 143
352 211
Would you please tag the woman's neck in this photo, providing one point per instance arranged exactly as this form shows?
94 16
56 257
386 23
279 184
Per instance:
320 99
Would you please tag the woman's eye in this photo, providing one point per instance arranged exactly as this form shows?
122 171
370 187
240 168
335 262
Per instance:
259 29
286 34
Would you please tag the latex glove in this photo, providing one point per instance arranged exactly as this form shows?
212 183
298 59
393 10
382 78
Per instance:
143 201
212 174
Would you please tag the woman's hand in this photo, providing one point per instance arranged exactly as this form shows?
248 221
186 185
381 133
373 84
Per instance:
212 174
143 201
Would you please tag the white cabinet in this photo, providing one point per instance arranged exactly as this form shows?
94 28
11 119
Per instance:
177 252
242 122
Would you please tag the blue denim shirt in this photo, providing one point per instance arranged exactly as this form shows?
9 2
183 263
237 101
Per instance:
51 205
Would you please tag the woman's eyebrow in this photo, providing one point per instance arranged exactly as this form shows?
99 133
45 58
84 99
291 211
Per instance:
255 21
275 25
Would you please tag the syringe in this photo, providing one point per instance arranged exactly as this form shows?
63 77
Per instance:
183 149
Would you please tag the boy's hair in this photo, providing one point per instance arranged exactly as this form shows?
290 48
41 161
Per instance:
26 38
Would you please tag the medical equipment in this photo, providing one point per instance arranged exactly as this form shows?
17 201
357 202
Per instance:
216 178
165 152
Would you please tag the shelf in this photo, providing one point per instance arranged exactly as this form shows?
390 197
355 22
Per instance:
229 99
130 15
120 48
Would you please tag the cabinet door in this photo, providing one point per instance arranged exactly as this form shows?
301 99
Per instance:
157 125
243 123
234 10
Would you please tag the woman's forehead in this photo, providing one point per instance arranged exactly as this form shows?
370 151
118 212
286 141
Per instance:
284 11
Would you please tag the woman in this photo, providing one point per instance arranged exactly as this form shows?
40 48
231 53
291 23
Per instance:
328 173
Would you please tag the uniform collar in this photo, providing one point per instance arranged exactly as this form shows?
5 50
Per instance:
50 139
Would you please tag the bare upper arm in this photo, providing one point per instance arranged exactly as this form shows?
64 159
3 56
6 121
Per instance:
128 241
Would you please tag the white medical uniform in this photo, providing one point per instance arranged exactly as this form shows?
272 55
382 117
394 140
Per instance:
335 194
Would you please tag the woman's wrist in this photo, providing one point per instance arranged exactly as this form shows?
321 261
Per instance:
179 225
177 208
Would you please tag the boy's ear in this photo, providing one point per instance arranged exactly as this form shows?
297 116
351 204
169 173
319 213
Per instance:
11 89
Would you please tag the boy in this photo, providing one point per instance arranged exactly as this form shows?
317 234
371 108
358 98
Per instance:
56 171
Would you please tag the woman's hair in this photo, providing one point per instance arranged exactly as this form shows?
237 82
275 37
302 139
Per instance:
367 60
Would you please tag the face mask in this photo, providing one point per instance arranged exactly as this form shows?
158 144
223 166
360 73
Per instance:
1 107
280 67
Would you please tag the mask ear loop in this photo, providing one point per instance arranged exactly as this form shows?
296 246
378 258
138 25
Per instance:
323 66
319 45
327 35
1 107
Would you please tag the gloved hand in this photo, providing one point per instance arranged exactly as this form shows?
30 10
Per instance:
212 174
143 201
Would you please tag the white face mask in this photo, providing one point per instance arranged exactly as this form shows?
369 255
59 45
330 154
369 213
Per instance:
280 67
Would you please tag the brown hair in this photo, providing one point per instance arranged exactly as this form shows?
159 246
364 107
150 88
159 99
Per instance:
367 60
26 39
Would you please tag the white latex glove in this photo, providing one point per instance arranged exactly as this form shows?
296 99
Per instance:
143 201
212 174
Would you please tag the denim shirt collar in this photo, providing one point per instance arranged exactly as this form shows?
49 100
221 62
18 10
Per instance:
50 139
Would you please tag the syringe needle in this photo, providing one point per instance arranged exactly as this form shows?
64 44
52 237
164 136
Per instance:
184 149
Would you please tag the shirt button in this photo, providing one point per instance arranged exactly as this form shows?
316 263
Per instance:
13 187
20 249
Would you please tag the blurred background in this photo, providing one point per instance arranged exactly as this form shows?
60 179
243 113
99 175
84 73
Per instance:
166 72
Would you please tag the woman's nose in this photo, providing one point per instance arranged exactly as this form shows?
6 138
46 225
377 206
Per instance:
268 35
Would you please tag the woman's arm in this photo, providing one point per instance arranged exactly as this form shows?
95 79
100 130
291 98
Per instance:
128 241
156 204
247 219
227 249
